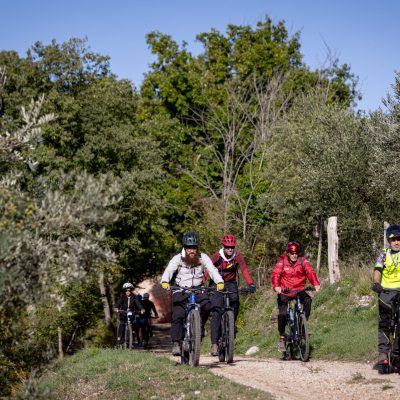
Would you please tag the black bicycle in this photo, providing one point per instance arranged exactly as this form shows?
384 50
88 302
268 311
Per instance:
190 345
393 364
296 332
129 331
226 341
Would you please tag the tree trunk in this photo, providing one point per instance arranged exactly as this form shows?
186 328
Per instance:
333 250
385 241
106 305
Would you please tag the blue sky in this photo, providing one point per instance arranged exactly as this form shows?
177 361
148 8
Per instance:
362 33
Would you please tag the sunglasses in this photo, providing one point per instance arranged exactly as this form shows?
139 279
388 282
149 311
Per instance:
229 247
191 248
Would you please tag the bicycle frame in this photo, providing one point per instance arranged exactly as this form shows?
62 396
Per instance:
191 306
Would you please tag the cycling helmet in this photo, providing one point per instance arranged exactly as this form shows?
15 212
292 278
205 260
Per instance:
293 247
190 239
127 285
393 231
146 296
229 241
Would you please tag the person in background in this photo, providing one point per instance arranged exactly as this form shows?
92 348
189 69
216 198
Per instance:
386 283
144 323
127 302
291 273
187 270
228 261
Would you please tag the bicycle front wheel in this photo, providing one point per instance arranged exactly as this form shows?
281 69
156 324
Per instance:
303 338
230 336
195 338
129 336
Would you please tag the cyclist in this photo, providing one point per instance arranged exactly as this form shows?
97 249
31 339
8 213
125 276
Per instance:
149 308
127 302
291 272
188 268
228 261
386 278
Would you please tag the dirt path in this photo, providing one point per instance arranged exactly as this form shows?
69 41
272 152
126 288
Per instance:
288 380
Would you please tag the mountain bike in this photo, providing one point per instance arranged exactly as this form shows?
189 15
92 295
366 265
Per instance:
226 341
129 331
296 332
190 345
394 338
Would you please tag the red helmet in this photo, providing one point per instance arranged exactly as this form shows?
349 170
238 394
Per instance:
293 247
229 241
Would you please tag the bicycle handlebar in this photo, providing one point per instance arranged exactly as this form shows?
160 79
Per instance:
308 288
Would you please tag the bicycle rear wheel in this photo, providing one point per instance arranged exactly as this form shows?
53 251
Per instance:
195 338
303 340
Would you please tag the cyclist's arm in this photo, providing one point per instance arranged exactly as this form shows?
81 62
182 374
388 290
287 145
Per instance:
244 268
311 275
153 307
212 270
276 275
171 268
377 276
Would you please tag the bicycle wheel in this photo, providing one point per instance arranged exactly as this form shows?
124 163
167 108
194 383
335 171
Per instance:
195 338
289 334
230 336
221 340
303 340
129 336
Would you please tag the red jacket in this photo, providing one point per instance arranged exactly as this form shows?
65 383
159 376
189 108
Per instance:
228 270
293 276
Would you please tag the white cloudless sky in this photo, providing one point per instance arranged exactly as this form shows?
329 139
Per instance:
362 33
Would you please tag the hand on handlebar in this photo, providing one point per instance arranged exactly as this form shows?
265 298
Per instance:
165 285
317 288
278 289
220 286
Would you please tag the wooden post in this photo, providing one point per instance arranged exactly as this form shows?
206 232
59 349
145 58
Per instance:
333 250
385 241
320 230
60 343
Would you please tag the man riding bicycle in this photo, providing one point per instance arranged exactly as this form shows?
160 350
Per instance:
127 302
187 270
291 273
386 283
228 261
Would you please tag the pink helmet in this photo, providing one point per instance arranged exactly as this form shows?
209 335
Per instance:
229 241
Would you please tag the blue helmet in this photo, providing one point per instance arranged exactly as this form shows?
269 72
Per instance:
393 231
190 239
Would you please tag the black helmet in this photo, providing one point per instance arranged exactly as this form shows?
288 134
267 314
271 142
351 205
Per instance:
393 231
190 239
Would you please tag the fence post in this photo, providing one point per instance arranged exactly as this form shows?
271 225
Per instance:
333 250
385 241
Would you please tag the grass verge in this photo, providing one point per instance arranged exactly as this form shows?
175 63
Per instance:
121 374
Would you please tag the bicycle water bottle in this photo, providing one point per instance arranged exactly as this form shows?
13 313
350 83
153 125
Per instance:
290 314
192 298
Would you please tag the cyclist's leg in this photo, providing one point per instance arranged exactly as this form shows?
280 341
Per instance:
121 328
385 316
179 301
205 307
282 320
217 309
306 301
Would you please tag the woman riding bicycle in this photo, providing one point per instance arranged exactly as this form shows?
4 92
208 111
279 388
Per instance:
291 273
228 261
127 302
187 270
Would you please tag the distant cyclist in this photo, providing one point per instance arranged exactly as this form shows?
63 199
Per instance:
291 272
386 282
188 269
228 261
127 302
149 308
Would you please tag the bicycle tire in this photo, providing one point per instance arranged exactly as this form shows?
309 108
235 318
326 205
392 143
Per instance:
289 334
195 338
129 336
221 340
303 340
229 336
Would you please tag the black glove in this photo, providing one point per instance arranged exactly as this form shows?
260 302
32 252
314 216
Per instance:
377 287
252 288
